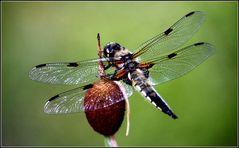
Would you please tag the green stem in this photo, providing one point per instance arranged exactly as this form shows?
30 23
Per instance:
110 142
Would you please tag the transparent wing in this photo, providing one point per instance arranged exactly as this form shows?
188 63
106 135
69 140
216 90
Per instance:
179 62
67 102
73 101
67 73
172 38
129 89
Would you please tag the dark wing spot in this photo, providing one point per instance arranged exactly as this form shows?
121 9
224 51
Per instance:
53 98
73 65
168 31
189 14
87 86
200 43
41 65
172 55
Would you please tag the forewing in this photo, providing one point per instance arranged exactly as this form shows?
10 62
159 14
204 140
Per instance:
66 73
172 38
179 62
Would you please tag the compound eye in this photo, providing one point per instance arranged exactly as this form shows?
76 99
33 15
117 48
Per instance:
109 50
116 46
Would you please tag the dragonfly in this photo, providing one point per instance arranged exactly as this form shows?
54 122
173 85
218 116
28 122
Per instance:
157 60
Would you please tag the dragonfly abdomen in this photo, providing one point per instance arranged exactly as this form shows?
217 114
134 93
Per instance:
141 83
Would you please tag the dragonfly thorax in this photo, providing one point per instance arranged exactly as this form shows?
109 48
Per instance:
131 65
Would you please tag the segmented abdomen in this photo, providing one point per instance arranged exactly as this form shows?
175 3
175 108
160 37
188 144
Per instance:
142 84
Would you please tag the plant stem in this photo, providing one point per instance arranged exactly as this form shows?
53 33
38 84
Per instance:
110 141
127 116
100 52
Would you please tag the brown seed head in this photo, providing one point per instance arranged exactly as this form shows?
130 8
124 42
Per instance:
106 120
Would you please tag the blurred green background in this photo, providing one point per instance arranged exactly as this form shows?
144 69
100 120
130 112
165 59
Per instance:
40 32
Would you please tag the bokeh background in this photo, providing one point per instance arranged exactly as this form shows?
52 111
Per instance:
41 32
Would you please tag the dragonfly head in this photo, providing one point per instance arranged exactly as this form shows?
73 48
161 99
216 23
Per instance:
112 48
